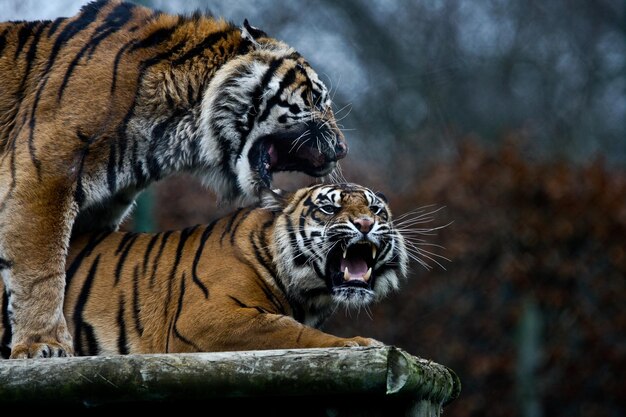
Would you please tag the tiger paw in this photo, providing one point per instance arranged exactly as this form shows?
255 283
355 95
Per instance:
361 341
41 350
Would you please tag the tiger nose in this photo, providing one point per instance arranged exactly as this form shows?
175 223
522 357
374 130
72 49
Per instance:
341 150
364 224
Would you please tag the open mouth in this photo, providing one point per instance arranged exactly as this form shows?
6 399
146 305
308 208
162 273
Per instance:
289 152
352 265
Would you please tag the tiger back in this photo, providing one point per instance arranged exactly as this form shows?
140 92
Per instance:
264 277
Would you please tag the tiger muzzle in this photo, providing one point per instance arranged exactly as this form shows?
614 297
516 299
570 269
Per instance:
314 150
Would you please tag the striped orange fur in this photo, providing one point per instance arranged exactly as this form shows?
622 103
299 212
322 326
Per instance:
263 277
95 107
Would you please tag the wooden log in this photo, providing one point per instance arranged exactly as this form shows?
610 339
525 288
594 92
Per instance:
356 378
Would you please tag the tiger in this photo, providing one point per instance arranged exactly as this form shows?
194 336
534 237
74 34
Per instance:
96 107
266 276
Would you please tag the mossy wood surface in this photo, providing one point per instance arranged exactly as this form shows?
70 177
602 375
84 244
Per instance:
335 381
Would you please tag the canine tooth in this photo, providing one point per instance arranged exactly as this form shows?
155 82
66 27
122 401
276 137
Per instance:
367 275
345 253
346 274
373 251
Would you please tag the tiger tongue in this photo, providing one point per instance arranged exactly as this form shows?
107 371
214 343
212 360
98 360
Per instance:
356 266
273 154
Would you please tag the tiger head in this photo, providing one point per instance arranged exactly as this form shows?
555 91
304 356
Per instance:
269 112
336 245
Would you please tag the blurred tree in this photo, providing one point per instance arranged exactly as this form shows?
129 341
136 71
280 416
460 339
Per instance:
448 68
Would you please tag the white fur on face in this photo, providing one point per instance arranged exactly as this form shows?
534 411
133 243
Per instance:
300 279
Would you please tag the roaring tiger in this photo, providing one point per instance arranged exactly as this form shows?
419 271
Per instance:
263 277
95 107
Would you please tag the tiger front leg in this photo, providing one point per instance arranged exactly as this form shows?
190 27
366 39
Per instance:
249 329
276 331
33 241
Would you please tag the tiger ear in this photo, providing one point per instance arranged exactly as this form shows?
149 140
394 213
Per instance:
251 34
273 200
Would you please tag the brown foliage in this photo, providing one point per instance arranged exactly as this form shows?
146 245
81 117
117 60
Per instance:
521 230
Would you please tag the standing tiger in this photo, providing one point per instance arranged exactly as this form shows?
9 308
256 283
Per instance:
95 107
264 277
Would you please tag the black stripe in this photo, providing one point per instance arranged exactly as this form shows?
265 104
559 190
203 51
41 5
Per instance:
80 306
229 225
280 308
238 302
30 58
257 96
244 216
84 253
3 40
5 264
194 270
79 193
122 346
184 235
204 289
202 46
141 179
119 16
262 252
135 44
299 258
289 78
242 305
167 338
123 241
226 152
136 303
146 256
92 344
5 351
157 37
270 270
164 237
55 25
114 21
116 63
22 37
31 135
320 273
293 206
179 308
191 94
387 247
124 255
154 169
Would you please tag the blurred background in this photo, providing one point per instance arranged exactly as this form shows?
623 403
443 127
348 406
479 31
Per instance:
509 116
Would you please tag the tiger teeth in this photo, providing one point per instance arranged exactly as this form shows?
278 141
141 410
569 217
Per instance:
345 253
373 252
367 275
346 274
